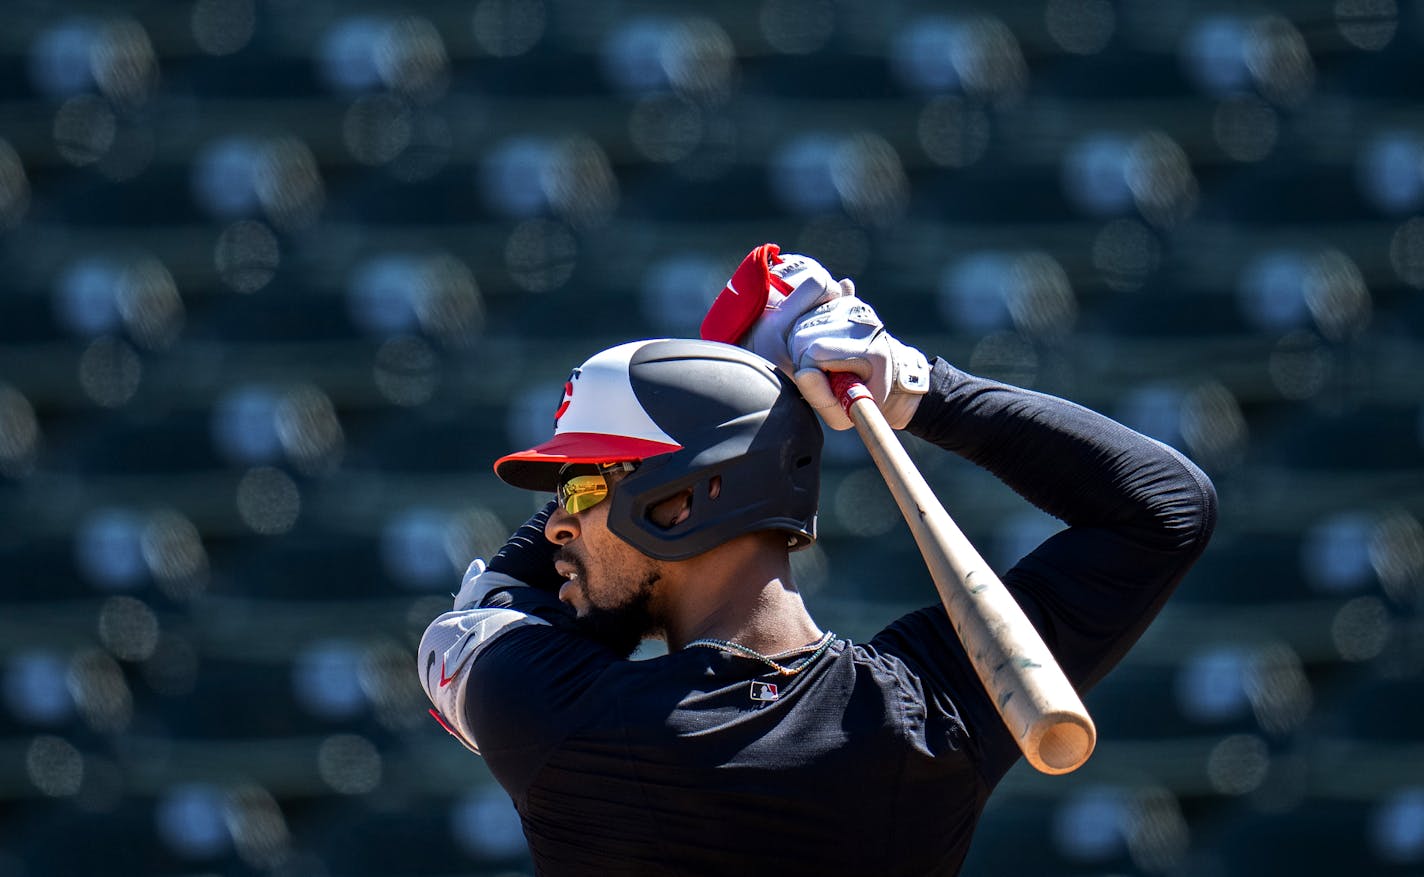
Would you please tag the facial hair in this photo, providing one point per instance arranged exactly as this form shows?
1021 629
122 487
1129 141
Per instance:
621 629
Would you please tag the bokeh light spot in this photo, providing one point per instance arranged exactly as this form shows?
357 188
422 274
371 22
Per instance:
19 433
30 690
665 128
172 669
1299 365
1396 551
349 763
674 292
1406 252
1279 60
222 27
1126 252
84 129
14 187
1238 764
1245 127
540 255
485 825
508 28
259 830
405 371
1091 824
1005 356
247 256
1335 553
128 628
1367 24
59 63
110 372
191 821
1210 685
124 65
1397 827
863 505
1361 629
377 128
54 766
100 691
953 131
326 678
1082 27
797 27
268 501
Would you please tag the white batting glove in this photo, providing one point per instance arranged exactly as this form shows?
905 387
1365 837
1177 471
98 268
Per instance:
846 335
799 284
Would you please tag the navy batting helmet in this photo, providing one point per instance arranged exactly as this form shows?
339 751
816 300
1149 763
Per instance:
687 412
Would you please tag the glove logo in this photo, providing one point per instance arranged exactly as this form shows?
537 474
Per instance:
568 396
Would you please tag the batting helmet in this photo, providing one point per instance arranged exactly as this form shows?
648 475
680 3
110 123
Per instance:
688 412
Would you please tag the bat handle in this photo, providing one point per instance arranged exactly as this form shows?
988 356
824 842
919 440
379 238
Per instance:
848 389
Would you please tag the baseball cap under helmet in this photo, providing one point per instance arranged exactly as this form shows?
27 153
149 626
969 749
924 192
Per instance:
687 411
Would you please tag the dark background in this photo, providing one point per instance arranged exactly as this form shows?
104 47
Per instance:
279 279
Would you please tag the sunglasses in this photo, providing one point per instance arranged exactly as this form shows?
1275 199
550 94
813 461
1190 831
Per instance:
582 486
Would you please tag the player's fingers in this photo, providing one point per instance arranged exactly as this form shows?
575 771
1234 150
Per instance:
811 293
816 389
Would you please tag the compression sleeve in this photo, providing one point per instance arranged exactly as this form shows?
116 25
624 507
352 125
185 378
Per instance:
1139 514
1073 463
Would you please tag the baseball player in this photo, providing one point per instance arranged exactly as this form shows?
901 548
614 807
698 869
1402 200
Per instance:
684 473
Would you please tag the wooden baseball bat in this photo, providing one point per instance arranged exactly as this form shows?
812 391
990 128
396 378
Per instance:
1028 688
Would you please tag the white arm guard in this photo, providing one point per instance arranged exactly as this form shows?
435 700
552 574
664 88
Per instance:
447 651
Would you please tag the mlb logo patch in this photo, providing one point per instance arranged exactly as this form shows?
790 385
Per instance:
764 691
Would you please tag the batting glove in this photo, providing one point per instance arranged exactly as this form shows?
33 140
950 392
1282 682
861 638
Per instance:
846 335
527 559
799 284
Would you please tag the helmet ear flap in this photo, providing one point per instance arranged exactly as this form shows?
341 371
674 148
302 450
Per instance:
755 491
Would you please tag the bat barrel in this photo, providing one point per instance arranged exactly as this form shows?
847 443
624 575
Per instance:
1060 742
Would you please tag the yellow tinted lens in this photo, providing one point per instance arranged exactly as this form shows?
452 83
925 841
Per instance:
582 492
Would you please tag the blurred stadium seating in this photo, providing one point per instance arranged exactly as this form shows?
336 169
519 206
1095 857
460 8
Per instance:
281 277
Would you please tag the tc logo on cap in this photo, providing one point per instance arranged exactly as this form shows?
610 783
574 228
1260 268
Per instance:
568 395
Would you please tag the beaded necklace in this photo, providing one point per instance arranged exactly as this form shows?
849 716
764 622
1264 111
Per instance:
771 660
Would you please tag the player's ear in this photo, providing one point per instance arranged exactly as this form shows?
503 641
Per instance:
678 507
673 510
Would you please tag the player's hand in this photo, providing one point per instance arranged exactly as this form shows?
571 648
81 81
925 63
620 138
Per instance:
526 559
846 335
799 284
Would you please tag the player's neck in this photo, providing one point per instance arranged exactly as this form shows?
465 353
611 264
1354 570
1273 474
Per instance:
744 594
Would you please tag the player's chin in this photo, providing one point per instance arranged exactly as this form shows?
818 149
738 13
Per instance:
620 630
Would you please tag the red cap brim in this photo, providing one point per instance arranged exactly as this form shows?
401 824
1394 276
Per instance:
538 467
